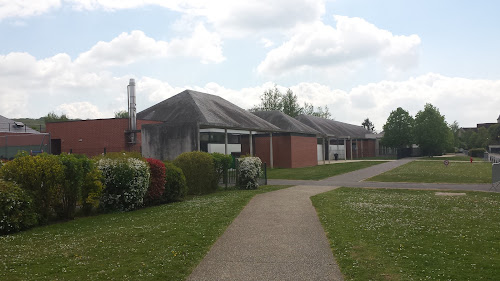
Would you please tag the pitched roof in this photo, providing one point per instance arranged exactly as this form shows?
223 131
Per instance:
206 110
9 126
333 128
285 122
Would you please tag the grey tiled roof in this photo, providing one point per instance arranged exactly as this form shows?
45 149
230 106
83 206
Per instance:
205 109
285 122
333 128
7 126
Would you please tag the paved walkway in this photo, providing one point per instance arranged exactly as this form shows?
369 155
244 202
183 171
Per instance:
278 235
356 179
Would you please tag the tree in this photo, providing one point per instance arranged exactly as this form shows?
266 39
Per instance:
270 100
290 104
455 130
273 99
494 132
398 130
53 117
431 131
367 124
121 114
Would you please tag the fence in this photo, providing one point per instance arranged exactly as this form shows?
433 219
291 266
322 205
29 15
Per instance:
10 145
231 177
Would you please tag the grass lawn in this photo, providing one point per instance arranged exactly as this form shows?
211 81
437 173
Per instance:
437 172
158 243
319 172
453 158
412 235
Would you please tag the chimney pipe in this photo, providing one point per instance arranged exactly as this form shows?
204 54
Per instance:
131 105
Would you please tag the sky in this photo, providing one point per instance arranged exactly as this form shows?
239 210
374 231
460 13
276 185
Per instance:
362 59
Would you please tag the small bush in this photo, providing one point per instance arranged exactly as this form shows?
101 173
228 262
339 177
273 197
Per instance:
221 164
126 181
198 168
16 209
157 182
175 185
249 171
92 187
477 152
41 176
69 191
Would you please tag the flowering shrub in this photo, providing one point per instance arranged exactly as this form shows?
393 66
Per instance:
41 176
175 186
125 180
157 182
16 209
198 168
249 171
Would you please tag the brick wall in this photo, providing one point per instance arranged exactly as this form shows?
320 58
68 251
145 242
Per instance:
304 153
289 151
91 137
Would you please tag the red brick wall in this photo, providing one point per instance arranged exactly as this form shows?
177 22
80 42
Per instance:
95 135
288 151
365 147
304 153
17 139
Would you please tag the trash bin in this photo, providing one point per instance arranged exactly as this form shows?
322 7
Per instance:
336 155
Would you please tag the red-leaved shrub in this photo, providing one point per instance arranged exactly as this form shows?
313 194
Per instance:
157 182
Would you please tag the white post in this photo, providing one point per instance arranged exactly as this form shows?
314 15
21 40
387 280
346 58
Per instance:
271 150
324 151
251 142
225 141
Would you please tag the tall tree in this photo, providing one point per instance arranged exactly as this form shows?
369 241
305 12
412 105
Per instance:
270 100
290 104
273 99
494 132
367 124
398 130
455 130
431 131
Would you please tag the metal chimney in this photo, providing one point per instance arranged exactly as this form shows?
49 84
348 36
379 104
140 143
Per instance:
132 114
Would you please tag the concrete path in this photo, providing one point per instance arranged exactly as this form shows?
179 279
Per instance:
356 179
277 236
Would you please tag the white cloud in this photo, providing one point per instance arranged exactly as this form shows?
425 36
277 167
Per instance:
267 43
129 48
228 17
14 9
319 46
81 110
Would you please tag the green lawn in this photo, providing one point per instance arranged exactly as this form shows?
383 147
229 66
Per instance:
378 234
158 243
437 172
453 158
319 172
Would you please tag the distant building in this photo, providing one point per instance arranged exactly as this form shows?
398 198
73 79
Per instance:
16 137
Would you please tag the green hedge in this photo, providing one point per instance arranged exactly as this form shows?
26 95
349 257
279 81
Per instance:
17 211
477 152
198 168
175 184
41 176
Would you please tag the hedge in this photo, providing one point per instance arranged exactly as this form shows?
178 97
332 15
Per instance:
17 211
175 184
198 168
